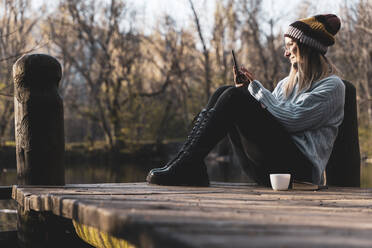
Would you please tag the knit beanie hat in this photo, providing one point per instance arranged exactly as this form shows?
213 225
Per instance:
317 32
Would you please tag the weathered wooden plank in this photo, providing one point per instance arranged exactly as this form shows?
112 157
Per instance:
217 216
266 236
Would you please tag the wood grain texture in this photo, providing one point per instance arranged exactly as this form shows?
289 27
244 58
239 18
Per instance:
39 127
223 215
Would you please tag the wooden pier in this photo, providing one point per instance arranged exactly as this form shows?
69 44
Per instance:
223 215
142 215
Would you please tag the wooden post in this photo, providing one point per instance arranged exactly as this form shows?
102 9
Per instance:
39 134
343 168
39 130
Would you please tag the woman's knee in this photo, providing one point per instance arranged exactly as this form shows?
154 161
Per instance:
236 97
217 93
232 93
222 89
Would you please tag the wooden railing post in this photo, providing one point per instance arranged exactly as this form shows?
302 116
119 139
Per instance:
39 134
38 111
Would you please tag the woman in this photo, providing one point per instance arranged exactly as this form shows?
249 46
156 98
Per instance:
290 130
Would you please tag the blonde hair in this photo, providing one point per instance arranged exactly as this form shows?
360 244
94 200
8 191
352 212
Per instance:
312 66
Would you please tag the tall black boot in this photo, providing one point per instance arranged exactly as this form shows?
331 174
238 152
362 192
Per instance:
189 168
196 122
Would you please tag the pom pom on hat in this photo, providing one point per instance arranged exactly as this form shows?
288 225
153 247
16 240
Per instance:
317 31
332 23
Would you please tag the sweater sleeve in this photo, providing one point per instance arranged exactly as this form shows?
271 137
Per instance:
277 92
309 110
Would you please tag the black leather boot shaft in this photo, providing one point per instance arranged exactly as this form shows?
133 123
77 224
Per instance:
189 138
189 168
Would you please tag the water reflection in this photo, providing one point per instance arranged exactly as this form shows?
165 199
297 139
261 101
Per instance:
93 174
8 216
8 177
137 173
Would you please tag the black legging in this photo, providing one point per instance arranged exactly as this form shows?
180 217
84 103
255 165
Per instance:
261 143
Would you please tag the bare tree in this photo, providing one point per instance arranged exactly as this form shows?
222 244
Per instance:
118 77
224 40
206 53
353 54
92 40
262 48
171 57
16 26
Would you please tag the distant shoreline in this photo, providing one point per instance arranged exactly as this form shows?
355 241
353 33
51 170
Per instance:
100 156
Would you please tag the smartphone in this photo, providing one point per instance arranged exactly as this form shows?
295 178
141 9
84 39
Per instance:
234 60
239 77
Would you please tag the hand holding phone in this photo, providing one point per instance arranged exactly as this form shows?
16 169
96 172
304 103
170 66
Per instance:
241 76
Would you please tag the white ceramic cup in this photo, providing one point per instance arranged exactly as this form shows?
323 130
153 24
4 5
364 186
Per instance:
280 181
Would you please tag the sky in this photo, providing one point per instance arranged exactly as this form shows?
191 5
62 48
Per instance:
151 10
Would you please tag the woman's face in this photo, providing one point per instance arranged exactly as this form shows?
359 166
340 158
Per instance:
291 50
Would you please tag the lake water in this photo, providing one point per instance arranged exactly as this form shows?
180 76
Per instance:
119 174
137 173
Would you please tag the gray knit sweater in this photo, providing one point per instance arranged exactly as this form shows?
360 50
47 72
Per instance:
311 117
